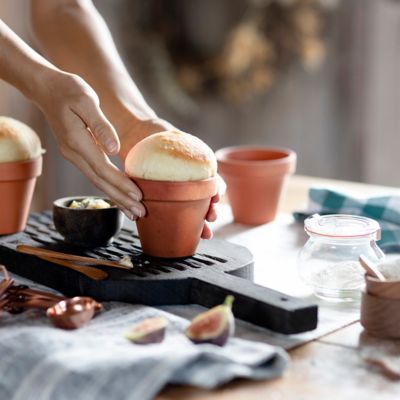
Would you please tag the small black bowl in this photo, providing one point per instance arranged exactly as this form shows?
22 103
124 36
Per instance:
86 227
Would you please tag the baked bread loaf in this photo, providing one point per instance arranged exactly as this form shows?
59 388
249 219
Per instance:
171 156
18 142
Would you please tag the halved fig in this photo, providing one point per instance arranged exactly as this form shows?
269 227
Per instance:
213 326
150 330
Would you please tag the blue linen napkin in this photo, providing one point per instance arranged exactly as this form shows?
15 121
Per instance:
41 362
384 209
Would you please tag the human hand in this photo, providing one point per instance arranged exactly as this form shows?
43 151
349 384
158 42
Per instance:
86 138
210 217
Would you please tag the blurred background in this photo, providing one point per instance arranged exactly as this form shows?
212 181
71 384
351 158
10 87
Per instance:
319 76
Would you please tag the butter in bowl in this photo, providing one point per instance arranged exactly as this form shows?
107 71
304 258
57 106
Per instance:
87 221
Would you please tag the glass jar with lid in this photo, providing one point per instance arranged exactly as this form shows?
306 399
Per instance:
328 262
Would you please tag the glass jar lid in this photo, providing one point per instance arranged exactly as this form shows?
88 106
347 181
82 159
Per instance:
342 226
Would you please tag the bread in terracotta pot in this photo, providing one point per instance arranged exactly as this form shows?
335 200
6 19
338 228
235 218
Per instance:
18 142
171 156
20 165
176 173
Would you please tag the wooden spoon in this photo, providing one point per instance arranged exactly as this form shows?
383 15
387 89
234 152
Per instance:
38 251
93 273
371 268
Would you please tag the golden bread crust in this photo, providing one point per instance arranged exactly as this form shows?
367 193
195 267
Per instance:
17 141
171 156
184 146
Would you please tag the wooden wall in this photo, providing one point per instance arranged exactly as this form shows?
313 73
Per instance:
342 119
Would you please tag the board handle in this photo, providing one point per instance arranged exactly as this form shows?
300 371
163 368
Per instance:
254 303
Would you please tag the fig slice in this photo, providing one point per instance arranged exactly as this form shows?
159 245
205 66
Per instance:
213 326
150 330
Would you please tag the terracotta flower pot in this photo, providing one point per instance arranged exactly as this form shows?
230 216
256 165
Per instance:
175 216
255 177
17 183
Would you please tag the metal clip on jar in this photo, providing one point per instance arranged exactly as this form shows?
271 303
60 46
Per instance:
328 262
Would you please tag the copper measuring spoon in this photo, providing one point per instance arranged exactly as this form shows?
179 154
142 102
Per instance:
63 312
73 313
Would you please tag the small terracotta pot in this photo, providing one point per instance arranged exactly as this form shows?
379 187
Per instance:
17 183
175 216
255 178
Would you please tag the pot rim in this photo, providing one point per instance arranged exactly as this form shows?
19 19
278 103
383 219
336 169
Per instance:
21 170
177 191
223 155
375 281
29 160
261 168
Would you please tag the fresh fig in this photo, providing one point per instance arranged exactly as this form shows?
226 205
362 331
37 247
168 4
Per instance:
150 330
213 326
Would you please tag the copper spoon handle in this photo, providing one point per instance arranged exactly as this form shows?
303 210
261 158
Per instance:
93 273
37 251
370 268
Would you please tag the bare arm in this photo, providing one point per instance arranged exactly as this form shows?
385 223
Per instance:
19 64
72 108
75 37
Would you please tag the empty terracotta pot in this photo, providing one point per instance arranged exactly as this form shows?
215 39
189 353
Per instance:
17 183
175 216
255 177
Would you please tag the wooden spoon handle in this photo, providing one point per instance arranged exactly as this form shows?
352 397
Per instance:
93 273
37 251
370 268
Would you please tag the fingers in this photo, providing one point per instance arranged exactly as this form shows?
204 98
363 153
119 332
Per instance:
211 217
102 130
207 232
83 145
130 207
212 212
80 149
85 136
216 198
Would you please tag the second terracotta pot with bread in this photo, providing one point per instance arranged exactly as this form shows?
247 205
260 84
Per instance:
17 183
175 215
20 165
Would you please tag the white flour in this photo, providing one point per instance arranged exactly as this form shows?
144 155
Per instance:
391 269
346 275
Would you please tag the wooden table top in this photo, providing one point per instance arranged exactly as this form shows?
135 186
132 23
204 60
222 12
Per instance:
331 367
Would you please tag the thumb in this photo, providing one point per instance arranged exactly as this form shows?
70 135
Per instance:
102 130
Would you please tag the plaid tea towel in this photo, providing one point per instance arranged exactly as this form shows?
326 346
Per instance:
384 209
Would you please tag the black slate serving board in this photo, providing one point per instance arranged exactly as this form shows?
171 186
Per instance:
216 270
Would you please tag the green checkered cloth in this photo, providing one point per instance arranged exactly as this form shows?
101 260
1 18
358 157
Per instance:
384 209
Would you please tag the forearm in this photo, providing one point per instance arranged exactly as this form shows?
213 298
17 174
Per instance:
71 107
20 65
75 38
